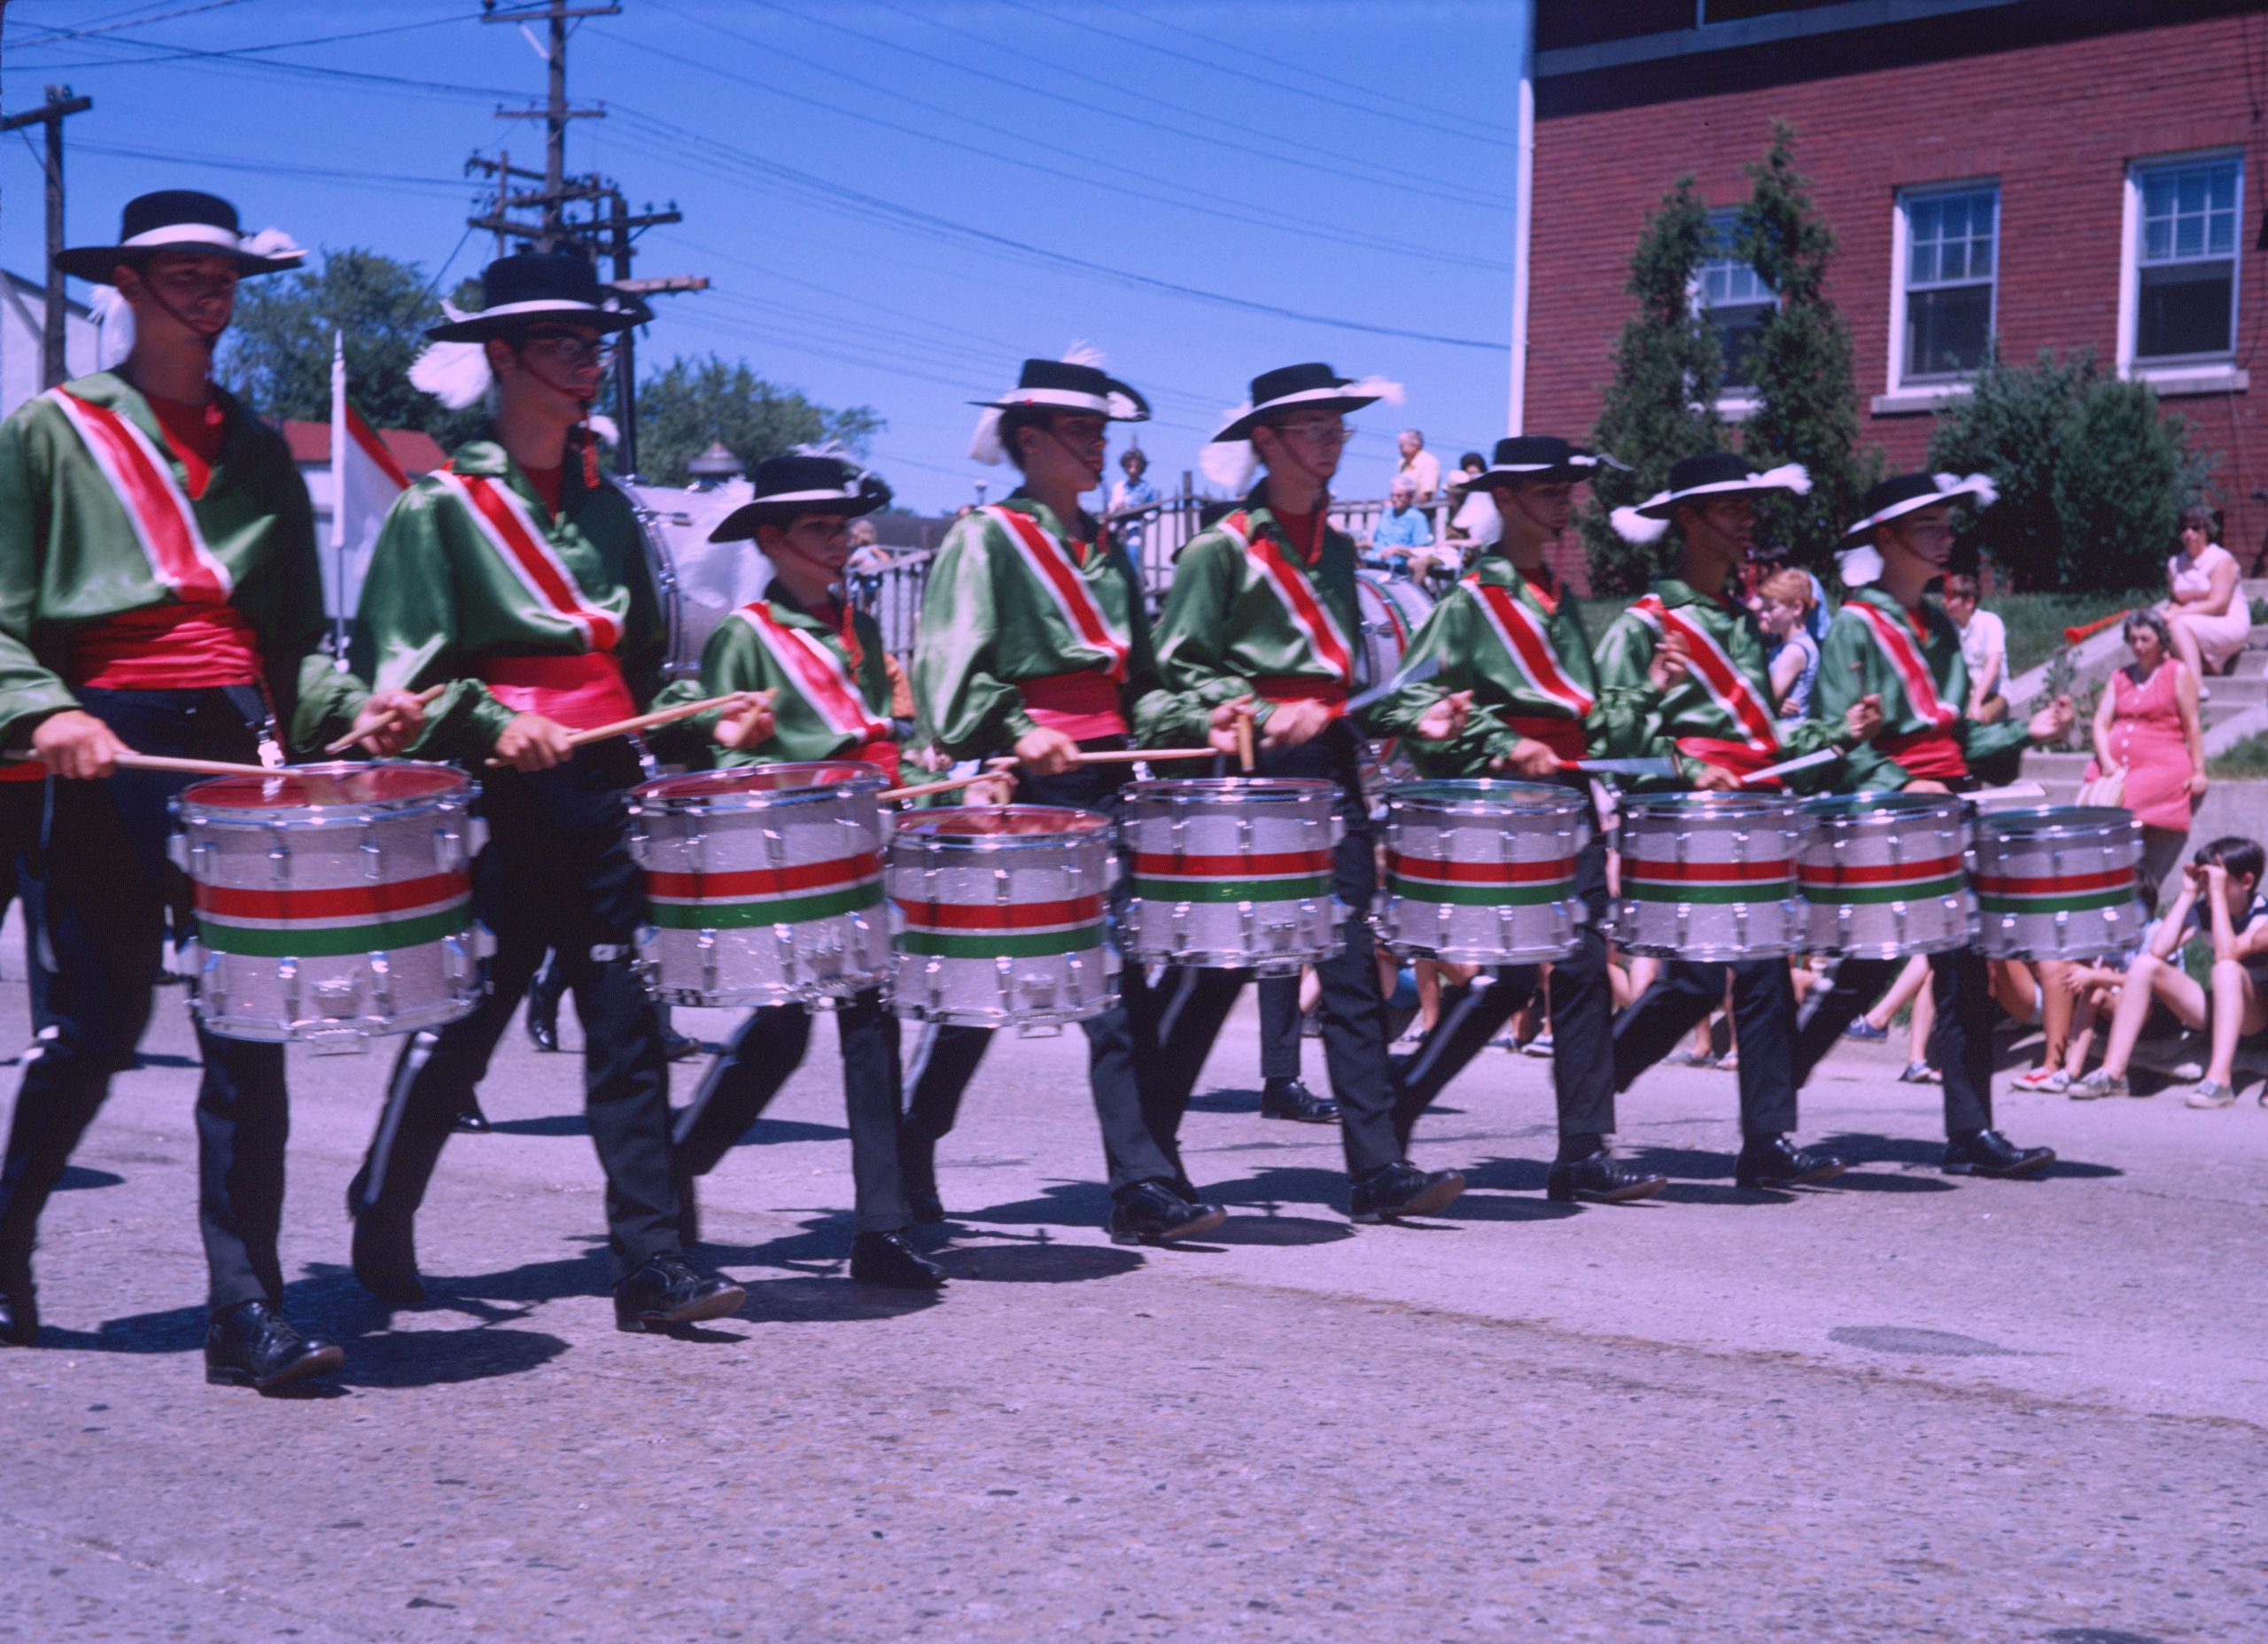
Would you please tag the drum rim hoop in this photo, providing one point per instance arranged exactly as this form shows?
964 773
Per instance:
197 804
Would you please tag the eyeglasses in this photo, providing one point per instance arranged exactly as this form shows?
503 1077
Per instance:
570 348
1317 433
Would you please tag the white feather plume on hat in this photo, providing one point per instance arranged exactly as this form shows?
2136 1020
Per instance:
456 373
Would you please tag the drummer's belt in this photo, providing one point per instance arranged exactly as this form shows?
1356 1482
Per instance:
581 692
1077 705
1933 756
1304 689
1562 735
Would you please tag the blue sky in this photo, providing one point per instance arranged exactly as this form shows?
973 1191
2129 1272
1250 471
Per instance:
897 200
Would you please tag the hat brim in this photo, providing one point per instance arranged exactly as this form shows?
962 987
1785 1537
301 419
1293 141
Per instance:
1967 490
98 264
478 327
1307 399
1122 404
1489 479
1669 502
739 524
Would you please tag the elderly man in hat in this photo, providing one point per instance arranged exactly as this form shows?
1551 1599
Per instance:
516 580
1690 658
1510 634
158 594
1889 645
821 665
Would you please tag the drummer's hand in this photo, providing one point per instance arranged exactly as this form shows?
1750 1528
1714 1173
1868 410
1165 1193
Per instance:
1668 669
1294 723
1923 785
531 743
2052 723
74 743
1709 779
388 722
1530 758
746 721
1863 718
999 789
1221 725
1048 753
1445 720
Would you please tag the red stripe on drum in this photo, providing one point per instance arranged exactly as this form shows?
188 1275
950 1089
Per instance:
795 877
1877 873
996 916
1706 872
226 902
2061 884
1162 866
1434 871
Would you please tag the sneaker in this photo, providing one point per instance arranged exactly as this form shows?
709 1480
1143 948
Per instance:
2210 1093
2054 1080
2099 1084
1866 1033
1689 1059
1729 1062
1541 1046
1920 1073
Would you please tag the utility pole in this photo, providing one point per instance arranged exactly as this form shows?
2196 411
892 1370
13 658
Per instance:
556 112
61 104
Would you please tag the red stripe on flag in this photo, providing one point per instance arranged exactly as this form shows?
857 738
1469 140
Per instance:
994 916
226 902
375 448
763 881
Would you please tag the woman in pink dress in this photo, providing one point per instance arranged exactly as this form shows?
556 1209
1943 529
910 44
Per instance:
2209 615
2147 726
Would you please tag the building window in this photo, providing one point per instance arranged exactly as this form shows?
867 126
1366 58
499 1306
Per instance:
1737 302
2185 214
1951 251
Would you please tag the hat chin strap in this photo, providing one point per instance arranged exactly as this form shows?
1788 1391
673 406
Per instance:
210 338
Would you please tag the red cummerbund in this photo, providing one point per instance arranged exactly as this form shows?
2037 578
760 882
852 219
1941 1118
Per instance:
1302 688
1078 705
1725 755
1932 756
582 692
1563 736
882 753
167 648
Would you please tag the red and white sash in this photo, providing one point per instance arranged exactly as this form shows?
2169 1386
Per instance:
1728 687
1529 642
504 520
156 507
1905 660
821 675
1309 614
1066 586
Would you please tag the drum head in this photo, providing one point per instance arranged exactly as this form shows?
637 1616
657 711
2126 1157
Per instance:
1484 793
344 783
978 824
760 782
2049 821
1712 807
1236 790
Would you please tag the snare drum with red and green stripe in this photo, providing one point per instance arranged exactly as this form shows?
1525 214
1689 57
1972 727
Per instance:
1231 871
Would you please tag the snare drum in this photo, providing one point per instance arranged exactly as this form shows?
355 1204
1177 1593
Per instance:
2057 882
1481 872
333 902
1001 915
1882 875
1710 877
1232 872
766 884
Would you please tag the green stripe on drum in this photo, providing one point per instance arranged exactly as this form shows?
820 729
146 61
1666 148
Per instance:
330 941
1754 890
1853 895
1480 895
2117 896
766 910
1022 945
1232 889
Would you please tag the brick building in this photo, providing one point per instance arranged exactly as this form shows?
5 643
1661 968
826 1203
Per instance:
2041 173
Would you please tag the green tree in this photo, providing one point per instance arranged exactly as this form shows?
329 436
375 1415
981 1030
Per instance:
1807 397
1660 403
2092 474
689 404
278 351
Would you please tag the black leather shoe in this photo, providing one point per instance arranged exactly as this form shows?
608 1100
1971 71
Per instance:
917 1164
1988 1153
386 1259
887 1259
253 1345
18 1304
668 1291
1766 1162
1152 1212
1290 1099
1402 1190
544 1030
679 1047
470 1121
1598 1179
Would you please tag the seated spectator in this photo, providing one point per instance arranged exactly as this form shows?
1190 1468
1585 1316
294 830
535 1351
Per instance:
2148 733
1983 647
1784 609
2219 902
1133 496
2092 989
1420 467
2210 617
1401 532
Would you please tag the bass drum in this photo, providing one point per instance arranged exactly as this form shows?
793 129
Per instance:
699 581
1391 609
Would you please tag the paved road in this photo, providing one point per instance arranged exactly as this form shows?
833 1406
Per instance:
1901 1408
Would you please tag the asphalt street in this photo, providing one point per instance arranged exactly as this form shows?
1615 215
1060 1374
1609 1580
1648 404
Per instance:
1899 1406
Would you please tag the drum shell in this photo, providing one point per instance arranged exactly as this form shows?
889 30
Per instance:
1231 873
1481 871
1884 875
281 890
2057 882
766 885
1709 877
1001 916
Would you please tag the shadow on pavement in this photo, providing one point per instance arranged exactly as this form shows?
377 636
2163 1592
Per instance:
1472 1206
1274 1230
1862 1149
1065 1205
762 1131
808 1300
79 1177
1043 1263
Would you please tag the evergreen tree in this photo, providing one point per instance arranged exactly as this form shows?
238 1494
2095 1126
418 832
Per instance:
689 403
1807 397
1660 404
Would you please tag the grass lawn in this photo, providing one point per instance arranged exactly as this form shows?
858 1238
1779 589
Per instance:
2245 759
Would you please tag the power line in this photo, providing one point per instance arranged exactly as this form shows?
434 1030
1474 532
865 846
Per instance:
54 35
399 181
175 54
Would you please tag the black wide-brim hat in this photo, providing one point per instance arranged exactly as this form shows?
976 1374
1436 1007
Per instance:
181 220
1310 387
1534 459
789 487
536 286
1078 383
1905 493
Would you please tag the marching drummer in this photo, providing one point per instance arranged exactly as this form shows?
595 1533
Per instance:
1889 644
515 579
1510 634
1035 643
822 663
158 593
1690 656
1262 619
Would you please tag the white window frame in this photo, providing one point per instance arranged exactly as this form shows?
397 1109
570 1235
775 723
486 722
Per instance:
1934 391
2197 376
1735 403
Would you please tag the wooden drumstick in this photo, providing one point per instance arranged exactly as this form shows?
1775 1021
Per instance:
647 722
946 787
1244 753
1121 756
129 760
425 699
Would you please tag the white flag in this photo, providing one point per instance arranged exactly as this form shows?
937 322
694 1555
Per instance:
365 481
